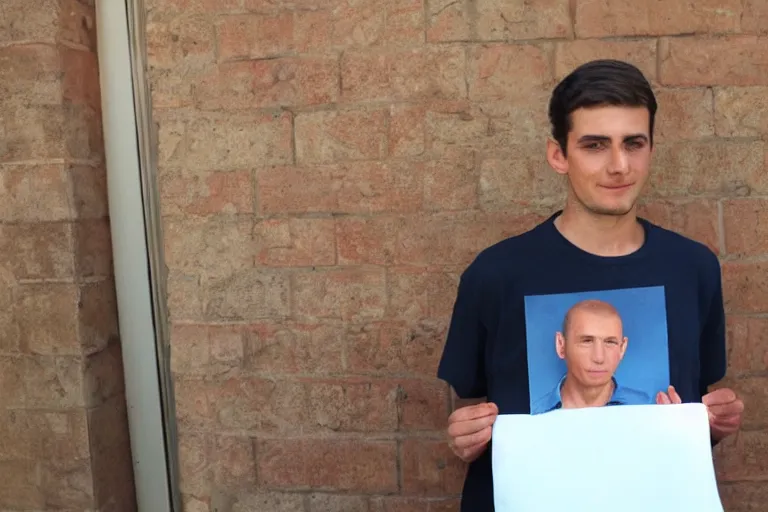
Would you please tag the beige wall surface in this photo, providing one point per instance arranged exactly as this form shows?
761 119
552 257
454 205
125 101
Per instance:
63 423
327 169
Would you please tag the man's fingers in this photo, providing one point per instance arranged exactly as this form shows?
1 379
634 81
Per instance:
472 412
472 440
470 454
469 447
670 397
470 427
726 425
727 409
719 397
726 421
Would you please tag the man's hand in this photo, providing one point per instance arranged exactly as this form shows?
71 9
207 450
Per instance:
470 428
725 411
670 397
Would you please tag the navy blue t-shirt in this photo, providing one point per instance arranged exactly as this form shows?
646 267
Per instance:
511 301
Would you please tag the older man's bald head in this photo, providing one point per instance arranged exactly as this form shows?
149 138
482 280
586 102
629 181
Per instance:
594 306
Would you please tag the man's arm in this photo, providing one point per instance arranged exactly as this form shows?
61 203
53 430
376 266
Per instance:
725 408
462 365
712 344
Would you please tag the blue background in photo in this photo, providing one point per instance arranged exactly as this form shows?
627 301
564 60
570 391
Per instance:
645 366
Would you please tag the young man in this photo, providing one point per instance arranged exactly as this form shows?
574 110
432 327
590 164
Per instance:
602 118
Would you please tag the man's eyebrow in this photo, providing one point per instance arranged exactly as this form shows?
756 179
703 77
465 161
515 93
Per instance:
605 138
594 138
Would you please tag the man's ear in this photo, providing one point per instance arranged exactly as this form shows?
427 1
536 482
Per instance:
623 347
556 157
560 345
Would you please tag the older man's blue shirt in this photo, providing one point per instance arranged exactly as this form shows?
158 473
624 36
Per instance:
621 396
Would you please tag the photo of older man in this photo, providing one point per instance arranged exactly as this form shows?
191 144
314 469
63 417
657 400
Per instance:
592 344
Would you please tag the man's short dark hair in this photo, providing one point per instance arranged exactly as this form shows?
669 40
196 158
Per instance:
596 83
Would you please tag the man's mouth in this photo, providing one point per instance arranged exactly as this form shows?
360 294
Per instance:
618 187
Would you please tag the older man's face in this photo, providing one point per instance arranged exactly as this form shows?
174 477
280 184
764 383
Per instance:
593 346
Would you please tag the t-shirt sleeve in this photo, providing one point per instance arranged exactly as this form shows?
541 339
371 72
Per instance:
713 345
463 360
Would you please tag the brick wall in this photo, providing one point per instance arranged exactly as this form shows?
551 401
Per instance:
64 440
328 169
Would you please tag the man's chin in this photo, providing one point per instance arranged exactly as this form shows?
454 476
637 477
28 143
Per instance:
612 211
598 378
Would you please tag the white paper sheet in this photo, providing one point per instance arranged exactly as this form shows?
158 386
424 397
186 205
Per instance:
629 458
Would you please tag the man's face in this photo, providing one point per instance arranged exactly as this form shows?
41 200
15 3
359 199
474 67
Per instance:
593 346
608 157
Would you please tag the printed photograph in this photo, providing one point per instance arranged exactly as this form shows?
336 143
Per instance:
596 348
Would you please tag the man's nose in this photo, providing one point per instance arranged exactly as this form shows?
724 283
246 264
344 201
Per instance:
619 160
598 353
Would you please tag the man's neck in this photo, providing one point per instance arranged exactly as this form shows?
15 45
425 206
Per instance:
574 396
602 235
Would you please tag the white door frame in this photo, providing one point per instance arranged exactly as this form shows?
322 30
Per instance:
130 153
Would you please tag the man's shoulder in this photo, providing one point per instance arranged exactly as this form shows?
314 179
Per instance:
545 403
674 247
680 247
508 253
